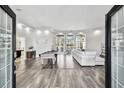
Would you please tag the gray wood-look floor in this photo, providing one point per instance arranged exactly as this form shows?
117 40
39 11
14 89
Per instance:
67 73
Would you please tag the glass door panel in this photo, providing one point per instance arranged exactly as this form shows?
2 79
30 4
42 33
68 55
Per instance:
2 59
120 18
120 48
9 84
9 51
121 56
2 77
114 50
120 76
114 83
117 49
2 19
8 73
5 49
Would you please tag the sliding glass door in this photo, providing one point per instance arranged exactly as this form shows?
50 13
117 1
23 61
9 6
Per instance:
6 48
115 47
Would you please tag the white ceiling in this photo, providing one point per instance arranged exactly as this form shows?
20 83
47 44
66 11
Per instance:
61 17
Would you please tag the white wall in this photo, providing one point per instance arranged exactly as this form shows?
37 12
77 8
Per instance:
94 41
41 42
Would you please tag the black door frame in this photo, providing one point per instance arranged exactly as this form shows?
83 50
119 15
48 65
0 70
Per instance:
108 44
7 9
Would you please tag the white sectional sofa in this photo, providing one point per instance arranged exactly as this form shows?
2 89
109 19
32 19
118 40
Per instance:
99 60
87 58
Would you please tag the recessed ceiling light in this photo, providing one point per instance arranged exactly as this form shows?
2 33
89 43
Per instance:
27 29
81 33
39 32
97 32
20 25
46 32
60 33
69 33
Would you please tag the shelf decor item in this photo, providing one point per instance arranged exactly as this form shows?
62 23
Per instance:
31 48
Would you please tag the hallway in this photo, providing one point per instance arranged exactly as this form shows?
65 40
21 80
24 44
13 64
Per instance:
67 73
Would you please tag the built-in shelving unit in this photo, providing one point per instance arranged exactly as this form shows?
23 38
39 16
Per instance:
81 41
67 42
